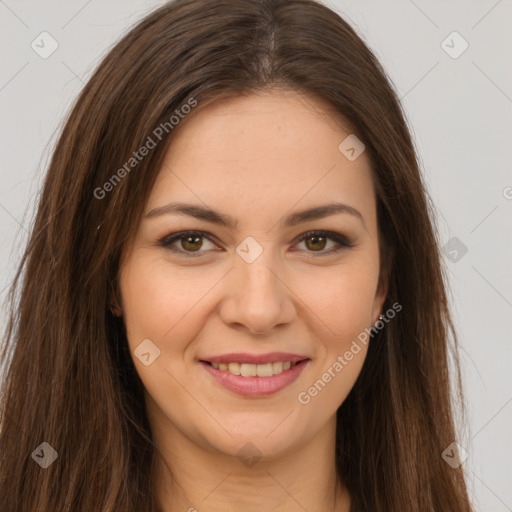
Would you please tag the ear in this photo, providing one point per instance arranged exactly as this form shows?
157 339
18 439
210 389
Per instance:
112 298
383 284
113 303
380 298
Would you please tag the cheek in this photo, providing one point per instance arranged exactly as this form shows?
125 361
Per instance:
343 298
156 300
159 305
342 306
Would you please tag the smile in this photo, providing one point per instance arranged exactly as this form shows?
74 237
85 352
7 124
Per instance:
254 370
255 380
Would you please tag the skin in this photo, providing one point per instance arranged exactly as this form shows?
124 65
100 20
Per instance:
257 159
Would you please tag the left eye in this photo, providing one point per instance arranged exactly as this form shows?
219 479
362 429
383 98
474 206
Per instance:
191 242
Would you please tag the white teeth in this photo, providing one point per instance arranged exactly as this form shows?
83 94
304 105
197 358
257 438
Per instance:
234 368
264 370
255 370
248 370
277 367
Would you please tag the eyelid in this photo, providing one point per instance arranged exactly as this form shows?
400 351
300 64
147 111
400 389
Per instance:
342 241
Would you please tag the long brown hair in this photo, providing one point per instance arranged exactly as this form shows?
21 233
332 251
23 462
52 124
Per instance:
68 378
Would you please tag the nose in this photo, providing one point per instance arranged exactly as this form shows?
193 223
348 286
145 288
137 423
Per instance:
257 297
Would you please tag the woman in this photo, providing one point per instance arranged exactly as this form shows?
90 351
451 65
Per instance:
232 297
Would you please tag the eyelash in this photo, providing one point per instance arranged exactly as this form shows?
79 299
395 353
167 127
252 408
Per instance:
343 242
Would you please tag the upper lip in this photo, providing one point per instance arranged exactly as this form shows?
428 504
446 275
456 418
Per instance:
271 357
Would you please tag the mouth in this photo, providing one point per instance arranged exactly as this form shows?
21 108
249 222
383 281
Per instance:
260 379
255 370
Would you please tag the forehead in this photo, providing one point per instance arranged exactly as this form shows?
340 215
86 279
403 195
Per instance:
262 154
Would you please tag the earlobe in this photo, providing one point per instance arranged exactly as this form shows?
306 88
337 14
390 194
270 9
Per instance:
114 306
116 310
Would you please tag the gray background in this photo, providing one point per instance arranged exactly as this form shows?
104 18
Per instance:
459 110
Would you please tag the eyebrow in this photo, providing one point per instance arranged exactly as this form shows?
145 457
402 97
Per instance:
209 215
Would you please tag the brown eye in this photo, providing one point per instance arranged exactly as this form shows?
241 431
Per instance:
316 242
191 243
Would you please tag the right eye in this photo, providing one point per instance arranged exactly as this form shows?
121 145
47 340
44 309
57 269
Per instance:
190 242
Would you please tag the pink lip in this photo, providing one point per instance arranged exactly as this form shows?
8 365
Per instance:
256 386
271 357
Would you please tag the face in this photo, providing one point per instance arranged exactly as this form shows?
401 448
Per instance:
257 282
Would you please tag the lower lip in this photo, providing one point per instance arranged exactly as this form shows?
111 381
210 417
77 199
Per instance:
256 386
